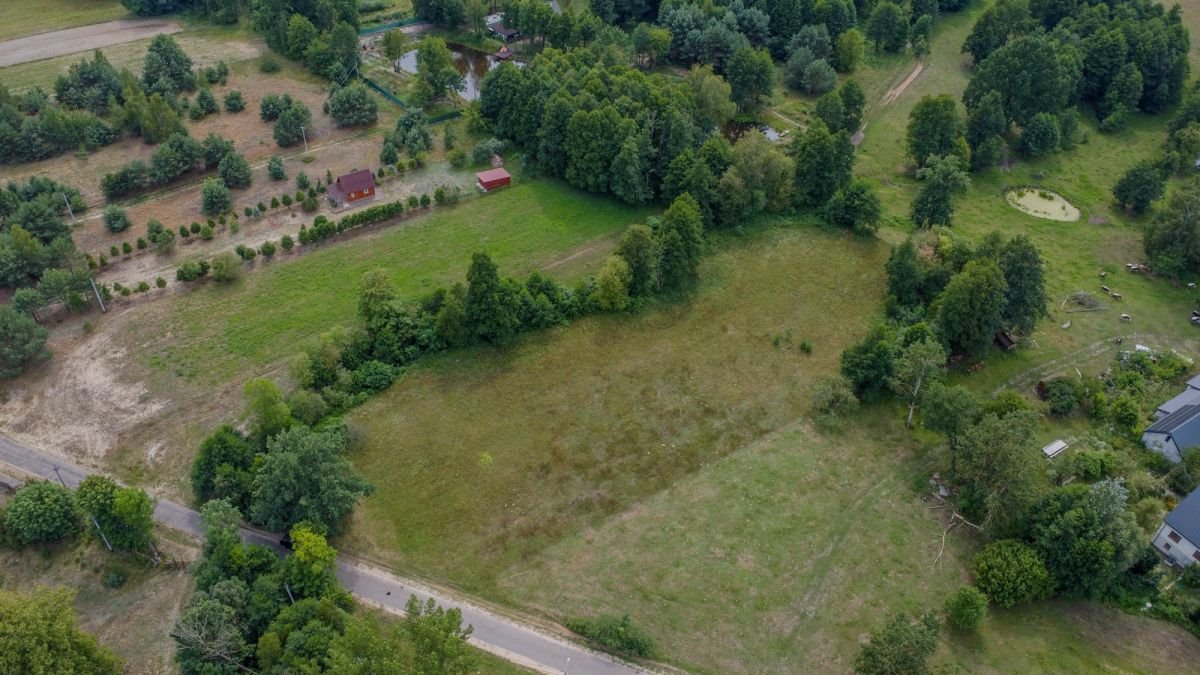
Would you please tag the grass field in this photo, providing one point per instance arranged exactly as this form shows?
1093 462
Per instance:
27 17
585 422
215 332
205 43
654 468
782 557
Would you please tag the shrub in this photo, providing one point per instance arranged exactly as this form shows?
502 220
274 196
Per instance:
302 181
184 231
425 201
269 63
309 204
439 195
902 646
115 218
234 102
286 243
141 244
458 158
206 232
226 268
114 251
115 578
142 287
307 406
966 608
374 376
189 271
483 150
1063 395
275 168
833 400
286 200
39 512
126 248
267 249
1010 572
160 282
414 201
1092 465
616 633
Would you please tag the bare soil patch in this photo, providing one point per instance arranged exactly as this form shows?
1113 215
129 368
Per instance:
81 39
895 92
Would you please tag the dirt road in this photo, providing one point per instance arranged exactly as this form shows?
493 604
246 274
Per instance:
82 39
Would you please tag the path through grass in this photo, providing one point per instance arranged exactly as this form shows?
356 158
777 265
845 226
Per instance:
27 17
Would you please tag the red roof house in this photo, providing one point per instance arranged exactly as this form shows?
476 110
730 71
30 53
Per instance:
353 187
493 178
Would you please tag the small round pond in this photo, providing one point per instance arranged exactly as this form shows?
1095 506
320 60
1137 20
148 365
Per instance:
1042 204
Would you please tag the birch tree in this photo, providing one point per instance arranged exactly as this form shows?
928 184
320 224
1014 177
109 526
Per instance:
919 365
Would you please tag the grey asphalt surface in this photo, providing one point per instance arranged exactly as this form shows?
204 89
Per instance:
80 39
505 637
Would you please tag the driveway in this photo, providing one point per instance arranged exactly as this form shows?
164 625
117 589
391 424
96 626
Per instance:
82 39
519 642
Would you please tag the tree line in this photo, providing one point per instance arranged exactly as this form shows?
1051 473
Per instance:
1118 60
256 612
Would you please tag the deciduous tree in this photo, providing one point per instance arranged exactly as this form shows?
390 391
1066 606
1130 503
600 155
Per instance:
41 511
39 634
941 179
304 477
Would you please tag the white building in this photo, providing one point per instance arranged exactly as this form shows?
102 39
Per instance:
1179 537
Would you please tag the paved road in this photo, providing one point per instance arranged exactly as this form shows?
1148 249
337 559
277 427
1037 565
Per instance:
499 635
81 39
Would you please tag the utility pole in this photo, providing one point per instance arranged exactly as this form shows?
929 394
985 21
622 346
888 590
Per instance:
69 209
289 592
94 521
305 136
98 298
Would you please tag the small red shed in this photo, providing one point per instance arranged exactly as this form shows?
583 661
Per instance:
353 187
492 178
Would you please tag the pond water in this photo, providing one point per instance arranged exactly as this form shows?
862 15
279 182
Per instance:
472 63
734 130
1042 204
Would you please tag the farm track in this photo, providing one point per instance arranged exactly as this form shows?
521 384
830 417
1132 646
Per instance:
81 39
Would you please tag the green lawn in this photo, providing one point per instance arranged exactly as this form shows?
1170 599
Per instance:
214 333
27 17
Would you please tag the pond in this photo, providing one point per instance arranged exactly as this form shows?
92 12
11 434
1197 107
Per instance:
472 63
1042 204
734 130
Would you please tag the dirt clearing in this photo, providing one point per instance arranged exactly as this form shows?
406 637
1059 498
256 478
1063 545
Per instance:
82 39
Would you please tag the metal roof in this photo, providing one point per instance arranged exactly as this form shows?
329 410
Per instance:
357 181
1185 518
1183 426
1188 397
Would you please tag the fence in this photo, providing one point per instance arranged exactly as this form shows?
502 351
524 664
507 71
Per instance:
389 25
383 92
